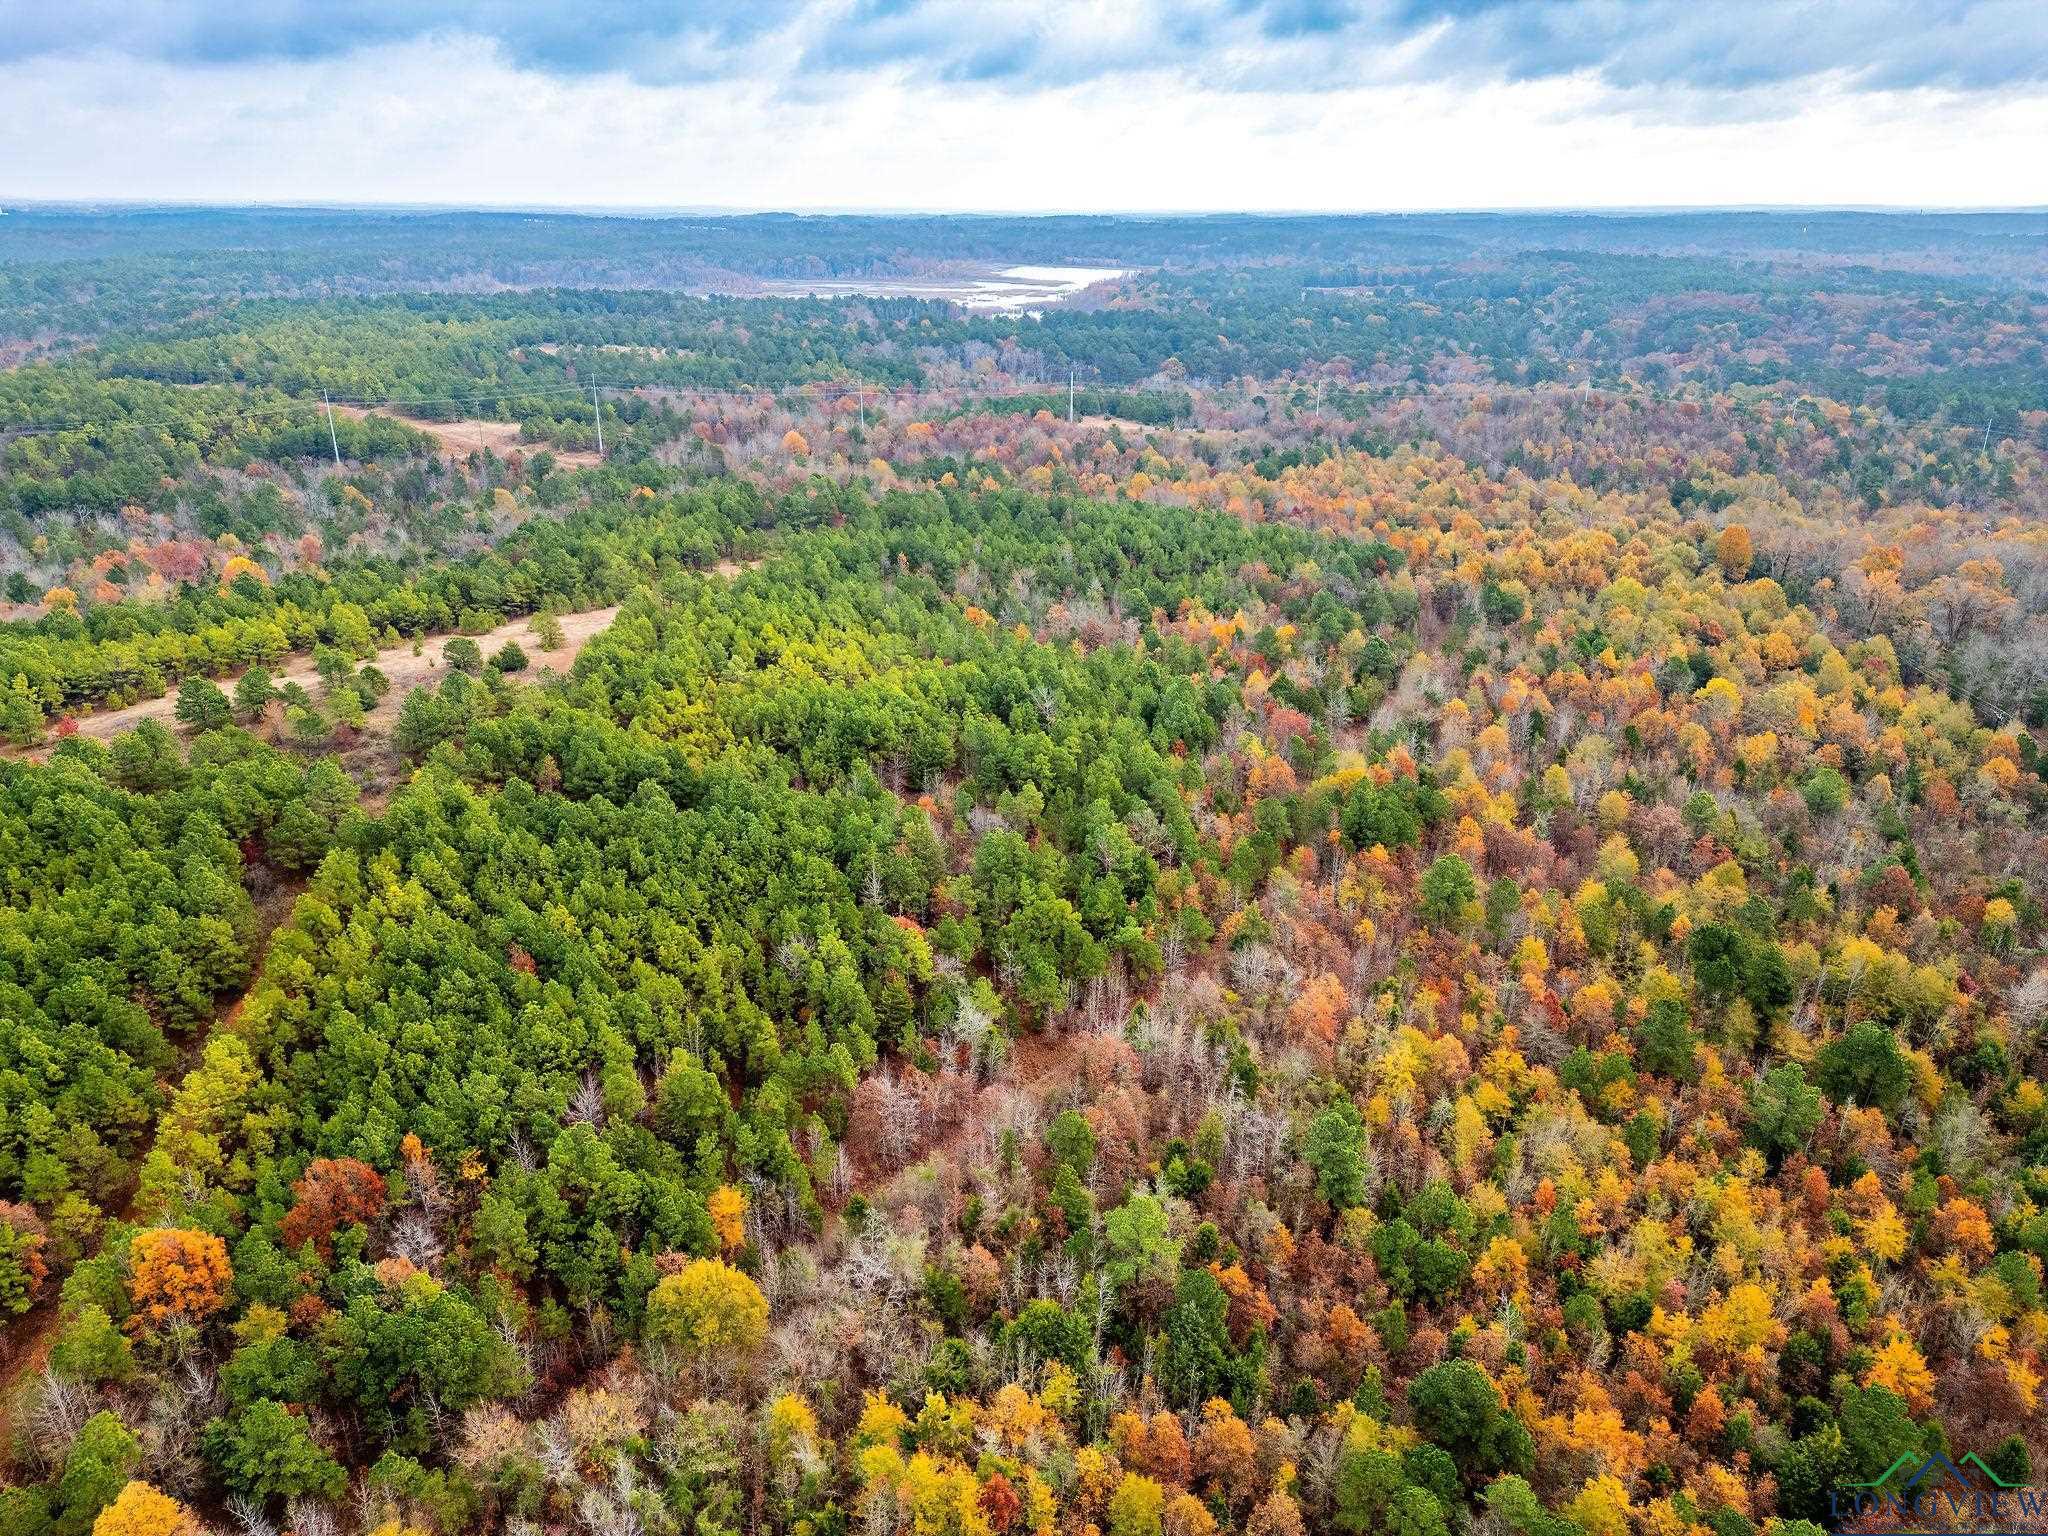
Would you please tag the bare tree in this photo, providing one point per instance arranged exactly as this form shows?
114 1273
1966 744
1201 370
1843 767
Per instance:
587 1107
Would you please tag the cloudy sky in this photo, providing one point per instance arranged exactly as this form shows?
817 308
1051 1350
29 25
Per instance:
1028 104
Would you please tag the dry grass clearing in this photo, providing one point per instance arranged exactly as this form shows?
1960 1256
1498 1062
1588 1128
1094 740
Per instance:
398 663
460 439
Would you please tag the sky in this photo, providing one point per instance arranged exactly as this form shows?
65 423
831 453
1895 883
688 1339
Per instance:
985 105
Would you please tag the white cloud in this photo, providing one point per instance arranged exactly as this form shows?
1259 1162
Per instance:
448 119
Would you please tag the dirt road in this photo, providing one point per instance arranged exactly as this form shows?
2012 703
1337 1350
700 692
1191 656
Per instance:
405 670
25 1347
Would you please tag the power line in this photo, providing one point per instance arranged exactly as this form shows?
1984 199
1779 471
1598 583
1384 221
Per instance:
332 441
816 390
829 389
85 424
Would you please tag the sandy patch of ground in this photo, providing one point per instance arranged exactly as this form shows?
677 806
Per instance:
462 438
1129 424
398 663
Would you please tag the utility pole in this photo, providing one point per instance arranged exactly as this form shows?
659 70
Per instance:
597 411
332 441
1319 404
1070 397
861 389
1986 448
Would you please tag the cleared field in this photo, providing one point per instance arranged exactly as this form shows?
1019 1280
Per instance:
398 663
462 438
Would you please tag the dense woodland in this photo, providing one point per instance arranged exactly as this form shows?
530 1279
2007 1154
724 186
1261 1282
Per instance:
1429 919
76 271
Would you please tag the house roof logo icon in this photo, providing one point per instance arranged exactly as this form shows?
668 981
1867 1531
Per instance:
1960 1471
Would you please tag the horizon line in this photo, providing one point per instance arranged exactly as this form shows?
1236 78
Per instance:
88 203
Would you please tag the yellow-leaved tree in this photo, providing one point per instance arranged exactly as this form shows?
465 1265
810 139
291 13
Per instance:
140 1510
1899 1367
728 1210
709 1312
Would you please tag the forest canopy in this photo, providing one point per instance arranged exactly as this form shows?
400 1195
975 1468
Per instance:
1412 902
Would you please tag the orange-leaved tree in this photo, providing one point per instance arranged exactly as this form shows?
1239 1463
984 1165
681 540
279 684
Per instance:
177 1276
333 1192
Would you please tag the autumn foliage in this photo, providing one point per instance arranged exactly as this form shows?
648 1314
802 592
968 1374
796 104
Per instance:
176 1277
332 1193
1431 919
141 1510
